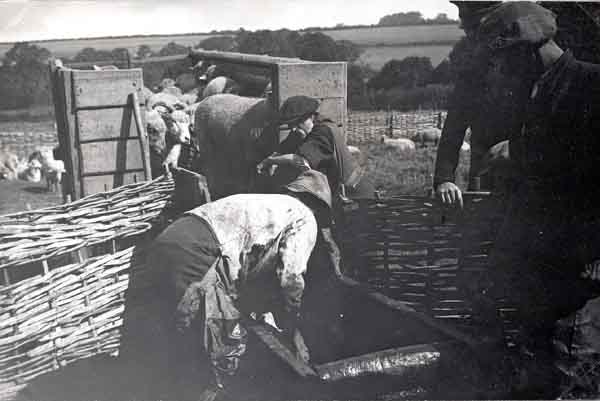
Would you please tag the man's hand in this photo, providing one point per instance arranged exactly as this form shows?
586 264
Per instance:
267 166
449 194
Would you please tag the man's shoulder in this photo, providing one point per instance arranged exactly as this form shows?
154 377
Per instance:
588 70
324 130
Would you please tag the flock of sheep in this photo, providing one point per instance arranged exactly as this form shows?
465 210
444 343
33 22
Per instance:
41 164
213 109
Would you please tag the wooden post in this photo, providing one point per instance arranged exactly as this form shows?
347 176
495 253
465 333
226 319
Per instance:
137 114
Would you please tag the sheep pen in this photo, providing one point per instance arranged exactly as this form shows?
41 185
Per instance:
391 172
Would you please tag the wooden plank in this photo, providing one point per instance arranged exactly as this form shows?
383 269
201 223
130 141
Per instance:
105 88
271 341
319 80
102 183
404 361
142 134
105 123
60 115
72 149
115 155
241 58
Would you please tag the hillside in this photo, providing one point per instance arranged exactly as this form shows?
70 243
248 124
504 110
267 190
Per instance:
368 37
400 35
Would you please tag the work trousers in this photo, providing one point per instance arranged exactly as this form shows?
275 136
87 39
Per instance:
538 260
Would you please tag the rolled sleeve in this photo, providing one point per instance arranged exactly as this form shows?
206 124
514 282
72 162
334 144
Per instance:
294 251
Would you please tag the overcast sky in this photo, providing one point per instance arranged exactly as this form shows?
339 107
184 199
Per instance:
22 20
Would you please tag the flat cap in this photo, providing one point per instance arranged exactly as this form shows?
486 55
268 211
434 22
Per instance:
296 108
519 22
471 12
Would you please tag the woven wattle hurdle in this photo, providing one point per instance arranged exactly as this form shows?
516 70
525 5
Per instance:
66 270
413 250
65 273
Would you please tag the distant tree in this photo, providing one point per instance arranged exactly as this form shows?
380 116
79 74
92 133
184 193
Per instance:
407 73
399 19
144 51
442 18
89 54
24 76
317 46
223 43
120 55
346 50
281 43
172 48
25 53
357 88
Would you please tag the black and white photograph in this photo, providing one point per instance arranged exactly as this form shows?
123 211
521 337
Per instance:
248 200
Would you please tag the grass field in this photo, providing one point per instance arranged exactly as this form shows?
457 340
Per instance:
395 173
68 48
376 56
399 35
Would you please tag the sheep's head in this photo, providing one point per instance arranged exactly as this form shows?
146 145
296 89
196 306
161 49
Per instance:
178 126
157 129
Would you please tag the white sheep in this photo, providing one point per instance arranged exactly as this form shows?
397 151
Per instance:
398 144
220 85
52 169
9 163
33 171
234 134
166 127
189 98
354 151
170 100
105 68
427 136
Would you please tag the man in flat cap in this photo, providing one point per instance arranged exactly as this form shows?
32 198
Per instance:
552 224
490 115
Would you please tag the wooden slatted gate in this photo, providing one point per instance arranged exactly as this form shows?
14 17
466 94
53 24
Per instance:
100 128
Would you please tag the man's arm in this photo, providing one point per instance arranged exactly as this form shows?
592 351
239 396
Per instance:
448 152
294 251
453 135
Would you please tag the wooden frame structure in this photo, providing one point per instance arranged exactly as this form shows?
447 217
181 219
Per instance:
100 127
326 81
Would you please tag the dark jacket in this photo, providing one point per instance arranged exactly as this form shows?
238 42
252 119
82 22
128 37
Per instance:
491 120
323 151
557 149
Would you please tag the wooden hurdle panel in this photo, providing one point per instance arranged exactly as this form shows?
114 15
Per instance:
100 128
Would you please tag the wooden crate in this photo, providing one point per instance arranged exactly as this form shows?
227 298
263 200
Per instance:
100 128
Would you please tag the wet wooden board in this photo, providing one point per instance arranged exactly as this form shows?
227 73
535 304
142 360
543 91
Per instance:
271 341
401 361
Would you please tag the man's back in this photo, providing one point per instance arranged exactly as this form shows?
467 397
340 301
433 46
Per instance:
244 220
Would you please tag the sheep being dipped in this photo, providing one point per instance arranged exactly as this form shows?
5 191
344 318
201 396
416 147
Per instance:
233 134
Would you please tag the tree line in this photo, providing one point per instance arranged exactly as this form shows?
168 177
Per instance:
402 84
24 79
